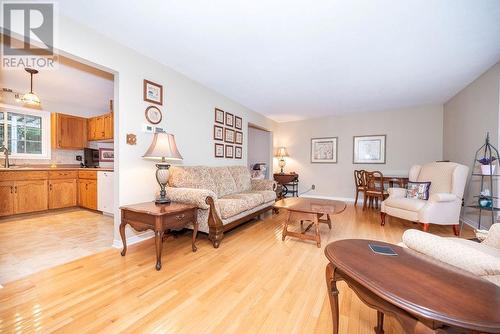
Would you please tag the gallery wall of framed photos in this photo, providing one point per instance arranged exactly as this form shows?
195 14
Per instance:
227 135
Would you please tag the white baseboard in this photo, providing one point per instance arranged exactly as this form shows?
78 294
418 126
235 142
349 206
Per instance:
133 239
345 199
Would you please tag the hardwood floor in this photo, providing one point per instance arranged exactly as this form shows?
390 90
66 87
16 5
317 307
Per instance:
31 243
254 283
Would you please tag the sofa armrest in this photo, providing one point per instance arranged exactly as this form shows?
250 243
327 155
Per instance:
493 238
397 192
259 184
192 196
443 197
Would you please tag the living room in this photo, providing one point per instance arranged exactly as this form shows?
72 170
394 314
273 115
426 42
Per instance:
420 79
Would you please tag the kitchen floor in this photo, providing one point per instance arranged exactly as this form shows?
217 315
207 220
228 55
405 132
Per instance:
30 243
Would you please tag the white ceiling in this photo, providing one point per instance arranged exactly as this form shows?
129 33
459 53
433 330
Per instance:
72 88
291 59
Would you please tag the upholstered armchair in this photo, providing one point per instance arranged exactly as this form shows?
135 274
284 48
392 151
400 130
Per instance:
445 196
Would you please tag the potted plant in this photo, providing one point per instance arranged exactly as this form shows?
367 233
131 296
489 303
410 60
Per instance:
487 166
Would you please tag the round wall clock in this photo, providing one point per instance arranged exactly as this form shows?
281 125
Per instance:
153 115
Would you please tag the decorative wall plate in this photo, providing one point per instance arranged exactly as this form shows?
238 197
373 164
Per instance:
153 115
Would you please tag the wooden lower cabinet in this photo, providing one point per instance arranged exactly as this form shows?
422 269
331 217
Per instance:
6 198
62 193
87 194
30 196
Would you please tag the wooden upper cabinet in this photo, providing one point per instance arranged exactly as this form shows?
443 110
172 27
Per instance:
91 128
68 132
108 126
100 127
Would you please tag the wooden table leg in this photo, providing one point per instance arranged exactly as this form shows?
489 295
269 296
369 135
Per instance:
318 237
285 226
380 323
159 244
195 233
333 296
124 239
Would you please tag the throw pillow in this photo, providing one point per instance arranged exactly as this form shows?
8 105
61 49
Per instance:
418 190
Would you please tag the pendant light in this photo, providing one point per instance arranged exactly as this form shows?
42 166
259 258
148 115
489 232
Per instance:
31 98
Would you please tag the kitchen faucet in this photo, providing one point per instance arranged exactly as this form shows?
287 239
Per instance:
5 151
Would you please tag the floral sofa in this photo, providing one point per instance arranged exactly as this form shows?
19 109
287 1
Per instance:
226 196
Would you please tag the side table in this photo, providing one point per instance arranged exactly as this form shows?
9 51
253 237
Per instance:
159 218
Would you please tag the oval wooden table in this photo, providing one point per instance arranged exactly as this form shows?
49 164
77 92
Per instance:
424 295
311 210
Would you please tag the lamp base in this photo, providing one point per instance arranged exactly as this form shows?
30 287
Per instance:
161 200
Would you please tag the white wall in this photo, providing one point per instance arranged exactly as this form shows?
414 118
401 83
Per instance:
188 111
259 148
468 116
414 136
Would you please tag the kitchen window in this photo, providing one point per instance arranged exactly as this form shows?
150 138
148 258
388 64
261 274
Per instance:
25 132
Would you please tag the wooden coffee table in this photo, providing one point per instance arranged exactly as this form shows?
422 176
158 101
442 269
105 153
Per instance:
424 295
310 210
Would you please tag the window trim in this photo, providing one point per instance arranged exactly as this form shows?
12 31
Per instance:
45 115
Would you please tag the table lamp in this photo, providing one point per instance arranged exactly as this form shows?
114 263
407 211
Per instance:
162 148
281 154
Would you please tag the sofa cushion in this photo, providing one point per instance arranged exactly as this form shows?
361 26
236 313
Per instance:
224 182
251 199
267 195
405 203
242 178
197 177
229 207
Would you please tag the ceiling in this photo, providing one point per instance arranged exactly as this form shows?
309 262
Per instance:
298 59
71 88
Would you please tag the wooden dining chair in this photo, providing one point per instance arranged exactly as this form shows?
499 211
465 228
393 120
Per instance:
374 189
359 181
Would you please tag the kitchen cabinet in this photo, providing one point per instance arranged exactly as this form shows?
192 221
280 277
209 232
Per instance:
87 189
108 126
68 132
105 184
100 127
62 193
30 196
6 198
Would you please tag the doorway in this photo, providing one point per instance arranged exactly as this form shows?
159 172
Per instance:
259 151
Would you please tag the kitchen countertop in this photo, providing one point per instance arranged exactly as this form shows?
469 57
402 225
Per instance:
27 169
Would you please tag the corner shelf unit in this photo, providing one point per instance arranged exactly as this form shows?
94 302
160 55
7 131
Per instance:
490 152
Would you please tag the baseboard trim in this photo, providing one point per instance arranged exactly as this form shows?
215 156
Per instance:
133 239
345 199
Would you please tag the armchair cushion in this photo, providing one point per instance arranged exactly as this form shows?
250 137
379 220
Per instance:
405 203
397 192
443 197
262 184
493 238
190 196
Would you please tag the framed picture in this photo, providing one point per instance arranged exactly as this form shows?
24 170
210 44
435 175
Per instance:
106 154
219 116
153 115
218 132
229 151
324 150
238 152
229 119
369 149
228 135
238 122
219 150
239 138
153 92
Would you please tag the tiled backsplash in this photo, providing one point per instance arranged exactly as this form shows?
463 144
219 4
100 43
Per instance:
59 157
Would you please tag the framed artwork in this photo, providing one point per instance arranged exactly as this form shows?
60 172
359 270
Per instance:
229 151
153 115
219 116
324 150
369 149
238 122
229 119
106 154
153 92
218 132
239 138
219 150
228 135
238 152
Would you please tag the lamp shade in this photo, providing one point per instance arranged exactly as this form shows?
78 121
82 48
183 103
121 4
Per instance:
163 148
282 152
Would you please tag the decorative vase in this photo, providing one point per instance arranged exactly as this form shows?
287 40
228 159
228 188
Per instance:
485 169
485 202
